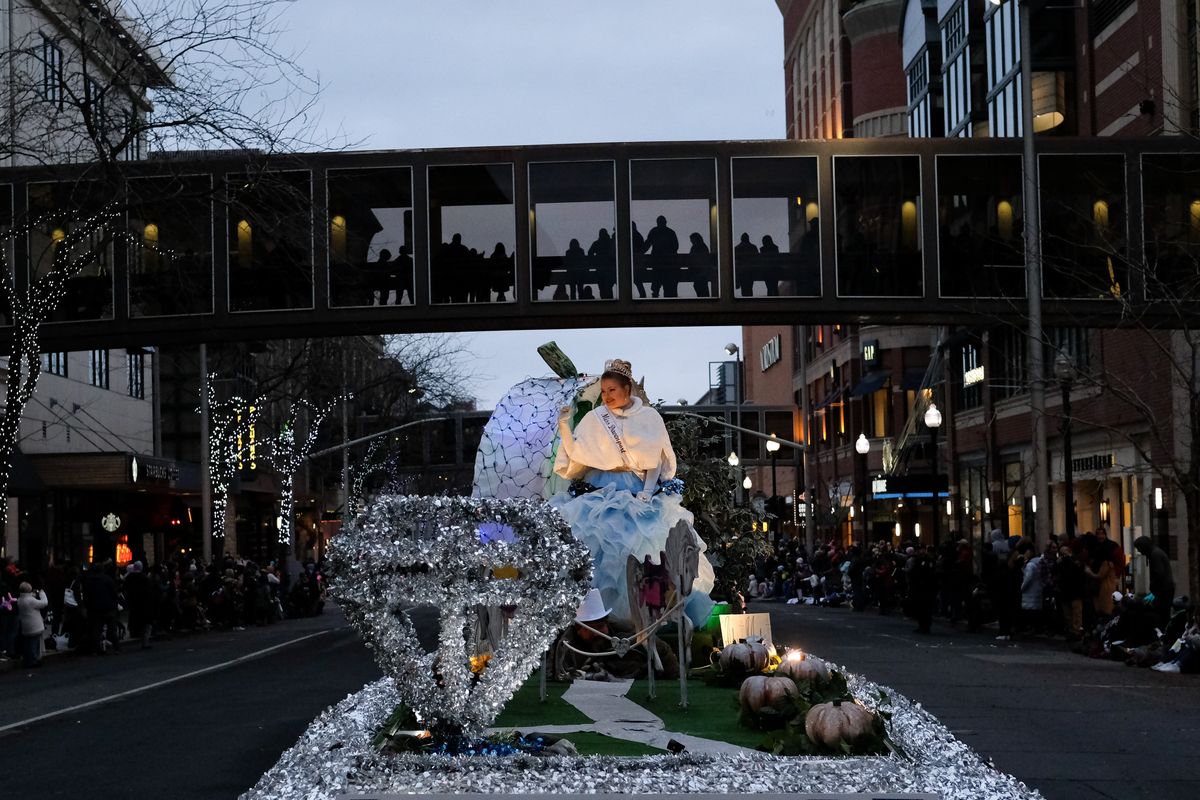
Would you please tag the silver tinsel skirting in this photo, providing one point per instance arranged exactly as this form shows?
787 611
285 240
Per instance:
335 756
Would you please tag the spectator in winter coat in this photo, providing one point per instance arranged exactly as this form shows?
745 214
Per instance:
33 627
100 601
1069 584
1033 592
1162 582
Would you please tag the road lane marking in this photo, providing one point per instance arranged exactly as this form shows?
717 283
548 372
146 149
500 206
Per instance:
164 682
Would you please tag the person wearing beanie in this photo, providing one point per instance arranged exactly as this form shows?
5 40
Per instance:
30 605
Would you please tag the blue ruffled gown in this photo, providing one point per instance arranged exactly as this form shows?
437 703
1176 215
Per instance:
615 524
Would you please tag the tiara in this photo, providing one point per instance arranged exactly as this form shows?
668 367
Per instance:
619 367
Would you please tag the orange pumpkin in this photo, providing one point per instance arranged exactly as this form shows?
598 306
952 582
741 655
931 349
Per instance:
744 658
829 724
760 692
808 670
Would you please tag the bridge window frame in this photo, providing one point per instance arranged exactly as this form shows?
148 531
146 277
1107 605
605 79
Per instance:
532 233
232 247
134 271
434 281
714 228
814 199
921 244
400 286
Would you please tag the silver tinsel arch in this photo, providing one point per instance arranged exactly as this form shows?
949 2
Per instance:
458 554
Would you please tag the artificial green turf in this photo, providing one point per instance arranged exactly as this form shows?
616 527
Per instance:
526 709
589 743
712 711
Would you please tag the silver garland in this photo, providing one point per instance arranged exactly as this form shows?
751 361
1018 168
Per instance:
335 756
449 552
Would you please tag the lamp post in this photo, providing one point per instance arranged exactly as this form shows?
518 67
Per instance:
773 449
1064 370
733 350
862 446
933 421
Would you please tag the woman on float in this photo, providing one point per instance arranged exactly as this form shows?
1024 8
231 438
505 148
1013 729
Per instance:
623 501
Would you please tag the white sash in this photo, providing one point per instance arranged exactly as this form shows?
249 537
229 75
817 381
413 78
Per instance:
610 424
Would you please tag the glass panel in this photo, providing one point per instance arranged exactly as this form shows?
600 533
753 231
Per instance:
1083 225
573 213
472 231
57 209
1171 217
370 237
170 254
669 196
878 204
981 251
775 221
270 241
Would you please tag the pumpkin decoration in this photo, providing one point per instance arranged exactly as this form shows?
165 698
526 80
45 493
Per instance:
830 724
744 658
762 693
804 669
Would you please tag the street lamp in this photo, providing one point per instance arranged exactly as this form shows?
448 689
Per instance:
733 350
933 421
773 449
747 483
862 446
733 458
1064 370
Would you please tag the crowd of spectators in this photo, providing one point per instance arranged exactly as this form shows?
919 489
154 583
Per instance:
1077 589
99 608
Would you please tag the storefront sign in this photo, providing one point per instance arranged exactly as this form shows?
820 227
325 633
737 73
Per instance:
110 522
870 352
153 469
769 354
973 376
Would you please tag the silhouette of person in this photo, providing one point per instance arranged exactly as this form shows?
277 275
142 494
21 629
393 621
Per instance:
662 245
771 275
453 257
745 255
601 254
698 265
575 263
401 275
500 265
378 285
639 261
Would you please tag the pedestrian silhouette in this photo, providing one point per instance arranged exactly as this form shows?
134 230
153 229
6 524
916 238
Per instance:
662 245
745 255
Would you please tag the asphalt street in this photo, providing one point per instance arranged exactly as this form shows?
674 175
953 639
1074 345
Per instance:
204 716
1072 727
201 716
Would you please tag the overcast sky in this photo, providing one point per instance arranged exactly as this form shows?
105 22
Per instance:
401 74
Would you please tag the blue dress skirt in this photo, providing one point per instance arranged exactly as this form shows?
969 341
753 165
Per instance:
615 524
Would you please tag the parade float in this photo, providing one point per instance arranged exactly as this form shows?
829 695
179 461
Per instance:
476 710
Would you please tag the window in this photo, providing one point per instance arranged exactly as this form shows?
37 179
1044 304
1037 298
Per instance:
52 62
132 129
55 364
136 363
954 31
99 371
1009 358
972 378
94 97
1073 342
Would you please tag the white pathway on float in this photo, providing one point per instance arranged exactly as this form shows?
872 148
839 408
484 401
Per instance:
613 714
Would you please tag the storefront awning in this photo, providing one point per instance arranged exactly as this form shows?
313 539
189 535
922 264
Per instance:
913 378
871 382
830 399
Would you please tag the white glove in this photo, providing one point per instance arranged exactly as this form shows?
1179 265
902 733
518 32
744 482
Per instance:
644 496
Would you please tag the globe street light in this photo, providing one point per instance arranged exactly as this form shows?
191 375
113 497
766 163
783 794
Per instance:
1064 370
862 446
773 449
733 350
933 421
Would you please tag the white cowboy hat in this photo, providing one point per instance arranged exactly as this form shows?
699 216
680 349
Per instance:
592 608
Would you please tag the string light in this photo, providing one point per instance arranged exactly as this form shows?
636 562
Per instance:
230 423
288 455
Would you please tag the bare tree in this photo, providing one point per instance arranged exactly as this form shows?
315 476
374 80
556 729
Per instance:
96 85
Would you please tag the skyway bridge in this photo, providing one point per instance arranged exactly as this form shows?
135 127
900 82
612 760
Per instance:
235 247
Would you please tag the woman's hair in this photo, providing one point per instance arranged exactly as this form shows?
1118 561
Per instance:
618 370
624 380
